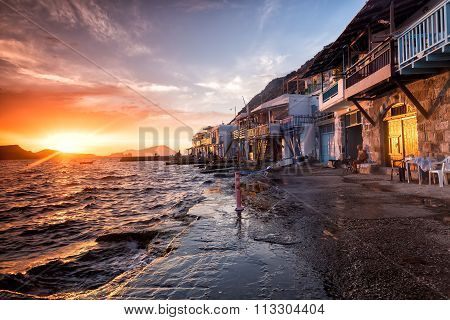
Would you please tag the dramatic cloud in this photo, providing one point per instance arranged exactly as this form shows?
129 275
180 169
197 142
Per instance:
153 87
113 67
267 11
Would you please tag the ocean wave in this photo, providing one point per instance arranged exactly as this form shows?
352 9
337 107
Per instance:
66 227
156 206
91 205
21 193
182 207
115 177
90 190
142 238
89 271
18 209
129 201
38 208
57 206
149 190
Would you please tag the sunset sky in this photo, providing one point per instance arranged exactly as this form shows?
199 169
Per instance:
195 59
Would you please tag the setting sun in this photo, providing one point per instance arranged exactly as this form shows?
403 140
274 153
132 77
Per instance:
69 142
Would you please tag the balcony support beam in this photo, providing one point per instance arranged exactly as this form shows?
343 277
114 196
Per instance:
359 36
365 114
384 113
411 97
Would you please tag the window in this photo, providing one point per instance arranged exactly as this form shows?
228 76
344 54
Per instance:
398 110
353 119
328 128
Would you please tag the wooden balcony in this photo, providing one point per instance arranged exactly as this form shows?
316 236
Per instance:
240 134
424 46
264 130
370 71
206 141
196 143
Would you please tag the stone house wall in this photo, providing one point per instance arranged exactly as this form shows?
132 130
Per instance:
433 133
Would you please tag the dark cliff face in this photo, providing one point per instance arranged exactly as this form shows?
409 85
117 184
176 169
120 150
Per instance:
275 87
271 91
14 152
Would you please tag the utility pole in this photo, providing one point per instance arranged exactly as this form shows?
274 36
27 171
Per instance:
248 113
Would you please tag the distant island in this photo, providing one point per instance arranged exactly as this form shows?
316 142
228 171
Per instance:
163 151
15 152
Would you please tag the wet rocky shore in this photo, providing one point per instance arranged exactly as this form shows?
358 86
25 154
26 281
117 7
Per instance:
308 234
318 235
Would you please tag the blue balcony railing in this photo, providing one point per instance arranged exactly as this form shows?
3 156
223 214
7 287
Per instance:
426 35
331 92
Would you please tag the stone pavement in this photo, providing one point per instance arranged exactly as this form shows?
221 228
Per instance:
329 236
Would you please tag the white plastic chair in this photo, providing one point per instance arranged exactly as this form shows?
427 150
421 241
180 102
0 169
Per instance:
441 173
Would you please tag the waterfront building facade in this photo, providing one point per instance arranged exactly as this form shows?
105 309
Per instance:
389 82
214 143
282 128
383 84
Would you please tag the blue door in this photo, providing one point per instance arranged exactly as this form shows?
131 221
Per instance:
326 143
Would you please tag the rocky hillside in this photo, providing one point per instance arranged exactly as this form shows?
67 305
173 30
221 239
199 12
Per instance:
15 152
275 87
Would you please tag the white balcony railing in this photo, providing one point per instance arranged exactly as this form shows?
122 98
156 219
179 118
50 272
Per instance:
427 34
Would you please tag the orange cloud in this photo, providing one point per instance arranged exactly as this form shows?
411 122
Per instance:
36 120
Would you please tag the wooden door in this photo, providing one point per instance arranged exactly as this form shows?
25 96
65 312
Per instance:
401 138
410 139
395 140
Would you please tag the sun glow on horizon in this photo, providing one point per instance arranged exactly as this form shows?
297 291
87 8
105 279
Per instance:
72 142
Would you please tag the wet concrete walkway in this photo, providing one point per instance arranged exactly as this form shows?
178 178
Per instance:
225 257
386 240
326 236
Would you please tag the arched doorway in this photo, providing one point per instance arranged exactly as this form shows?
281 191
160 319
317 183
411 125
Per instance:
401 132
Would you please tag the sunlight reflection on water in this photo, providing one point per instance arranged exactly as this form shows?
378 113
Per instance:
51 216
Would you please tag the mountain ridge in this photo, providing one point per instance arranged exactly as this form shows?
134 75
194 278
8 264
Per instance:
275 88
15 152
